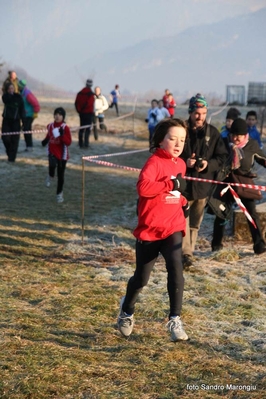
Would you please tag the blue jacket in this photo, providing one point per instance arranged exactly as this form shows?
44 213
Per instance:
255 135
153 117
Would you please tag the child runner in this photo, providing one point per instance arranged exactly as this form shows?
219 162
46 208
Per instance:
161 224
152 118
58 139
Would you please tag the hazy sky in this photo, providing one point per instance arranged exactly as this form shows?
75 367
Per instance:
47 36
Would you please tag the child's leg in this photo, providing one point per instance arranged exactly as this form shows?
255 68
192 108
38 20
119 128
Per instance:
52 162
146 255
61 166
171 250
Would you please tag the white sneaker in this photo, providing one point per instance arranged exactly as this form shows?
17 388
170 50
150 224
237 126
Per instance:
175 327
48 181
125 322
60 198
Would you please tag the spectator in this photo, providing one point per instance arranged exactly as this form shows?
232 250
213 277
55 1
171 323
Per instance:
58 139
152 118
162 111
243 150
32 107
232 114
162 210
13 114
252 119
171 105
84 104
166 98
114 96
100 105
204 153
12 78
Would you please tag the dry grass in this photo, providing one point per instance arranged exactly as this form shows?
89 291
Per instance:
59 299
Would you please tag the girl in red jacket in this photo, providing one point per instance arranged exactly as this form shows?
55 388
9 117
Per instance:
171 105
161 224
58 139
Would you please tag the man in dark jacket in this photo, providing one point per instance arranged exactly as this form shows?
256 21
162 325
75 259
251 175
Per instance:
85 107
204 154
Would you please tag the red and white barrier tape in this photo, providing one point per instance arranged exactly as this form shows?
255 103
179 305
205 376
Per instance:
114 154
45 130
112 165
254 186
239 203
71 129
228 186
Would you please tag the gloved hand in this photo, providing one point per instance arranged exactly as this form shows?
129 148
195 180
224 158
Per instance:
61 131
44 142
186 210
35 115
179 183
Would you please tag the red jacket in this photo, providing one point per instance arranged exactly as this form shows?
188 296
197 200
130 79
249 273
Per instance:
160 213
58 146
84 102
165 101
171 107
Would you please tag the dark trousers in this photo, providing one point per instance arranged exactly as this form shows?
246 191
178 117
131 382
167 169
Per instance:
60 164
11 141
101 123
27 126
256 234
151 133
84 134
116 107
146 255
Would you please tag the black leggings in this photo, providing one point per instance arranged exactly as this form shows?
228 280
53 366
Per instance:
60 164
116 108
146 255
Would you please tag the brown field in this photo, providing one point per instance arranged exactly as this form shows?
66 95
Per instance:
60 294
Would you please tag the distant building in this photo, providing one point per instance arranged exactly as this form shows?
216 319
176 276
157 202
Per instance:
257 93
235 95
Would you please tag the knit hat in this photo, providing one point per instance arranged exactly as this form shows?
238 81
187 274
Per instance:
22 83
239 127
233 113
89 83
60 111
198 101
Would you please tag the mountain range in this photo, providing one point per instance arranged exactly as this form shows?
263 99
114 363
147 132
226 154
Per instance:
199 59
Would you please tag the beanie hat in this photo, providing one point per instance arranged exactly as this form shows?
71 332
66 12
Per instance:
233 113
60 111
22 83
198 101
239 127
89 83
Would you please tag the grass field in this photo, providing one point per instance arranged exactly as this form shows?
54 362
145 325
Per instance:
60 297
